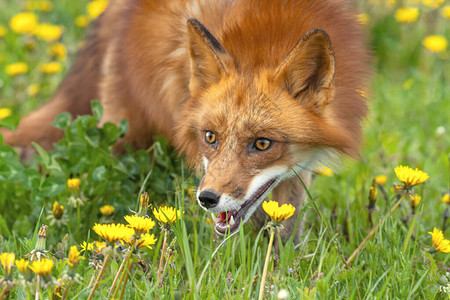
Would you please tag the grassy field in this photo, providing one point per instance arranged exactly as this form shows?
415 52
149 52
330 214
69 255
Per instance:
408 125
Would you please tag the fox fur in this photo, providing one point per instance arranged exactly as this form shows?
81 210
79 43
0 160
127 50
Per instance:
287 71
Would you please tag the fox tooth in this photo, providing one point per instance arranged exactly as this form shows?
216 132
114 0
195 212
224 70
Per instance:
231 222
215 219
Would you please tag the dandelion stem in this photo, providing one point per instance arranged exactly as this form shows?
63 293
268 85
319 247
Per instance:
37 297
117 275
164 271
127 274
4 292
371 233
162 256
66 291
266 264
99 276
124 262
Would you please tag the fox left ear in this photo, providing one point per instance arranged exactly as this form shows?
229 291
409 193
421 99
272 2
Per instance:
307 73
208 57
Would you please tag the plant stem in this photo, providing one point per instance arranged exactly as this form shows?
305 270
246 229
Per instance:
371 233
4 291
66 291
266 264
164 270
126 280
36 297
162 256
124 262
99 277
118 273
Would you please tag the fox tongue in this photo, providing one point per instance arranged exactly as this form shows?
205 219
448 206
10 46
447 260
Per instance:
225 216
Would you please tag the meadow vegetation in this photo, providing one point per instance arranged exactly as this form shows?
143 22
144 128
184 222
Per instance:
61 213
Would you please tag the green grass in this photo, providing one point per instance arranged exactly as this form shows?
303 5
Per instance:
409 101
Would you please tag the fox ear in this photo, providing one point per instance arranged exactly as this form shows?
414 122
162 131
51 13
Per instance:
207 56
307 72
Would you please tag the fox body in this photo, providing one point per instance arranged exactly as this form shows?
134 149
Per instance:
247 90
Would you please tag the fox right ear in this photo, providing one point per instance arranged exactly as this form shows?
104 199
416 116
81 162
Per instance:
207 55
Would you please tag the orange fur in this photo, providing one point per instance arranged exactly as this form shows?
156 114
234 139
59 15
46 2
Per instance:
288 71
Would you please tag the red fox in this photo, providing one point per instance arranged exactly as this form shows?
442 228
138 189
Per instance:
248 90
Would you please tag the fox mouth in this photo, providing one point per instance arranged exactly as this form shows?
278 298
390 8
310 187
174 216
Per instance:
230 221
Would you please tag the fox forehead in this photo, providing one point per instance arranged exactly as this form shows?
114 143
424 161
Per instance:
249 108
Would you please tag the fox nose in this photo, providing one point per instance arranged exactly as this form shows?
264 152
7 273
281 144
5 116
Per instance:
208 198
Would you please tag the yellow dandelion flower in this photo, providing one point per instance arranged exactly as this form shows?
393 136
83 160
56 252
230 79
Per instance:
39 5
59 51
42 267
74 184
107 210
7 260
166 214
144 240
23 265
278 213
446 198
140 224
113 232
407 14
409 176
414 200
324 171
432 3
3 31
96 7
48 32
15 69
82 21
5 112
74 257
23 23
86 246
445 11
33 90
435 43
380 180
58 210
363 18
50 68
439 243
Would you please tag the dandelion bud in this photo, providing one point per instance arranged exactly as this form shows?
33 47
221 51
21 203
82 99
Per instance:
379 180
58 210
414 200
74 185
446 198
143 200
373 195
42 238
7 260
107 210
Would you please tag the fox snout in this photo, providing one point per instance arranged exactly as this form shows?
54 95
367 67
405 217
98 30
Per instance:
209 198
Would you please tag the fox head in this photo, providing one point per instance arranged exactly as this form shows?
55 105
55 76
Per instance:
250 128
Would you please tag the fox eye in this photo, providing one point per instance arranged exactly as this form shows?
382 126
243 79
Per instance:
262 144
210 137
